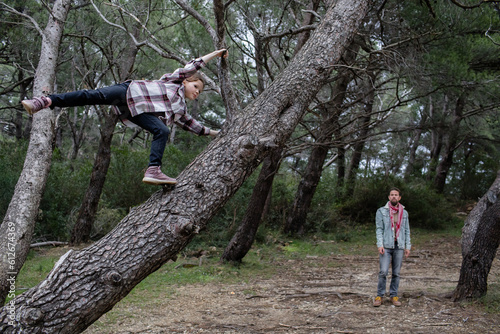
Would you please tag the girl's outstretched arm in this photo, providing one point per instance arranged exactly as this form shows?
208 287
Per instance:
212 55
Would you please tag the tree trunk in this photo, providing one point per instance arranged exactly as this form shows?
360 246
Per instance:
369 95
77 134
480 241
436 137
340 159
296 220
244 237
17 227
86 216
85 284
450 147
20 124
414 146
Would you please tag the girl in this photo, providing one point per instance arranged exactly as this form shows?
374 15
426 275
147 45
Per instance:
152 105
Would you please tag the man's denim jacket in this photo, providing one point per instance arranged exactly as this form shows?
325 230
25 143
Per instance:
385 234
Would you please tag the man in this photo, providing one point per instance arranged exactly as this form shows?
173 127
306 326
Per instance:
393 241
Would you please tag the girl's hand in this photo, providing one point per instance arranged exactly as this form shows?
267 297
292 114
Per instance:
223 53
213 133
218 53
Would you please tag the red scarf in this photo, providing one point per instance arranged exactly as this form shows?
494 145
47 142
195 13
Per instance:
393 210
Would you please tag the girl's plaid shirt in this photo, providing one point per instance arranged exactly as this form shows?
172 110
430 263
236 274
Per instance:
166 96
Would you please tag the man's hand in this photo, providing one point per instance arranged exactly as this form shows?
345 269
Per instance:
213 133
407 253
381 250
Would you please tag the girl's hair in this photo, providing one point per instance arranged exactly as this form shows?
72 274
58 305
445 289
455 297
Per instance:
196 77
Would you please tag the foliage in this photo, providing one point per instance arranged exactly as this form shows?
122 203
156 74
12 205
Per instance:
426 208
62 197
11 163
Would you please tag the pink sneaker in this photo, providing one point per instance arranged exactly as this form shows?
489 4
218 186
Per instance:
36 104
155 176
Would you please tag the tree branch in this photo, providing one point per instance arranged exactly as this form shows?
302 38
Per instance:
200 19
35 24
472 6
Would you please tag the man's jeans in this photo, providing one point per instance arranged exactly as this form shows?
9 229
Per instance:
396 255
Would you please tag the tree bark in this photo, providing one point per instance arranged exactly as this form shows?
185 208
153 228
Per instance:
19 221
480 241
85 284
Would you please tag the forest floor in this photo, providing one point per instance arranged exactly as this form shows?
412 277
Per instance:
317 294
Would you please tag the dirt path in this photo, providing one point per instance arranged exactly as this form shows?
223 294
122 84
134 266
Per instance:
319 295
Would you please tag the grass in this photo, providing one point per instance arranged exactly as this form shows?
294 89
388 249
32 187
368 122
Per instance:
491 302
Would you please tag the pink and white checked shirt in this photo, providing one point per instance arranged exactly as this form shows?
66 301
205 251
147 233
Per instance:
166 96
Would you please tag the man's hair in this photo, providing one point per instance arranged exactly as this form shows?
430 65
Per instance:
394 188
196 77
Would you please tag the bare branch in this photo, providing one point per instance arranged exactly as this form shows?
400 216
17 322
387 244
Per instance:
487 34
163 51
14 11
199 18
227 4
312 12
459 4
290 32
48 243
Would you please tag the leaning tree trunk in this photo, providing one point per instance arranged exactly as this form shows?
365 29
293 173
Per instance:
242 240
85 284
244 237
17 227
296 220
480 241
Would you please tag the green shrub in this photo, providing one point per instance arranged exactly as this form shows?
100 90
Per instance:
12 155
66 185
427 209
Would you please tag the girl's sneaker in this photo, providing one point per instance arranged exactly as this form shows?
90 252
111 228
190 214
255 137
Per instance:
154 175
36 104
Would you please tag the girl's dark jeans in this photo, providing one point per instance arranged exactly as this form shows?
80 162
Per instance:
117 95
112 95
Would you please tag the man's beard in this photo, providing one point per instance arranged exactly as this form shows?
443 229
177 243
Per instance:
394 203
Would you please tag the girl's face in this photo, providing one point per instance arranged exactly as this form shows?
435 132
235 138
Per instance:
192 89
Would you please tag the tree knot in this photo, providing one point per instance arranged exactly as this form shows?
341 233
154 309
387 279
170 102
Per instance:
186 227
32 316
113 278
246 148
492 196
